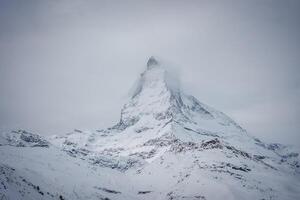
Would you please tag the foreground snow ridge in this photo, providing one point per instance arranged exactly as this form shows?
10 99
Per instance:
166 146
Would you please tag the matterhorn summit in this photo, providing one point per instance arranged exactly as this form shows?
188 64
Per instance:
152 62
167 145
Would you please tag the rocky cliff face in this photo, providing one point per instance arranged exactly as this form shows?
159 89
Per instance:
167 145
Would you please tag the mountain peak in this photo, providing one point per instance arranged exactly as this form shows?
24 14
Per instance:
152 62
158 99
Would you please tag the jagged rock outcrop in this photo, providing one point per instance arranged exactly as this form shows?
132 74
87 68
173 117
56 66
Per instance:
22 138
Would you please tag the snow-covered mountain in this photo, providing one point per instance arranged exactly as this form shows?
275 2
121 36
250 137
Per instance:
166 146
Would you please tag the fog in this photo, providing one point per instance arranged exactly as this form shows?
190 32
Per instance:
71 64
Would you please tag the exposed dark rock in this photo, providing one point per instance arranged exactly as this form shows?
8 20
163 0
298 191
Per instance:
259 157
144 192
173 196
212 144
238 152
107 190
244 169
203 132
151 62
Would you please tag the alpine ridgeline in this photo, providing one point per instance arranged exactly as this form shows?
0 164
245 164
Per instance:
167 145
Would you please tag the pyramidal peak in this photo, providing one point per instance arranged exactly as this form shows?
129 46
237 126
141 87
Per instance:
153 96
159 99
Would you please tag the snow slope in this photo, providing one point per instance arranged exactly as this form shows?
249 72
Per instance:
167 145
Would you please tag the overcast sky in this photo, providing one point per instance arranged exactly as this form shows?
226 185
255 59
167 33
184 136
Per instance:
70 64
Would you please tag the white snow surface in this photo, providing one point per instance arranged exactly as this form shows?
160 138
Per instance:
166 146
